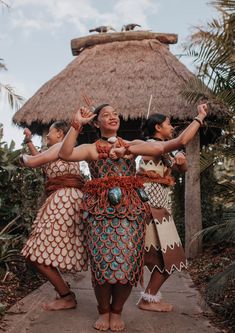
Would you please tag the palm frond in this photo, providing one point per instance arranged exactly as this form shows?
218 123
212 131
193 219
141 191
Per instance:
4 3
207 159
227 5
14 100
221 281
2 65
225 230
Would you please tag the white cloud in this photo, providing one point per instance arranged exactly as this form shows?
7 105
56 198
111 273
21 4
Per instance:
51 15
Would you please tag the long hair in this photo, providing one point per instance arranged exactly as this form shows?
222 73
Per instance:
148 128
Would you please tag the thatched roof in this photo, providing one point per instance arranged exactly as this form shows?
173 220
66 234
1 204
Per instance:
123 73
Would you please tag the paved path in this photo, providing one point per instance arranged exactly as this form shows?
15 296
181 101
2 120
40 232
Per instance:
27 316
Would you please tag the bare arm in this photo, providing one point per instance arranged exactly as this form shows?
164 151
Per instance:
29 143
159 148
188 134
40 159
32 148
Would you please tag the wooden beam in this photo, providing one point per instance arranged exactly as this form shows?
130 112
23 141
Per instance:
193 215
79 44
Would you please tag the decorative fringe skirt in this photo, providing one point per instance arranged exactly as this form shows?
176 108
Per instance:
115 232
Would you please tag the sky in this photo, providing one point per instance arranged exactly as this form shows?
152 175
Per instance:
35 37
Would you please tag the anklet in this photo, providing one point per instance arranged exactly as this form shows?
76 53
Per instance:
151 298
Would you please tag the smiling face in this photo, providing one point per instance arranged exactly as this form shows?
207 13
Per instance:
108 121
54 136
165 130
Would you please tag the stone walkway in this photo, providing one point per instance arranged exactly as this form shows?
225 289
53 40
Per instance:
27 316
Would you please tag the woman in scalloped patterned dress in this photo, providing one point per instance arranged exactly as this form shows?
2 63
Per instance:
58 239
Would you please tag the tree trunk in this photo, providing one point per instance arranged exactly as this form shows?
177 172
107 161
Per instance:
193 215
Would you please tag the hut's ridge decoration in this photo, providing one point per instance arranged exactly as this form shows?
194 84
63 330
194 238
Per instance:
79 44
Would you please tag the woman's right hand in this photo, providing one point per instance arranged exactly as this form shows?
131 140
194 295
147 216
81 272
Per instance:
202 110
27 133
83 116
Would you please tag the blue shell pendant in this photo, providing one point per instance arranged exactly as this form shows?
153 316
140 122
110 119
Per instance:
142 194
115 195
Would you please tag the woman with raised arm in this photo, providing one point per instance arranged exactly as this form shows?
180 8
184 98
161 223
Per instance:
57 241
114 208
163 249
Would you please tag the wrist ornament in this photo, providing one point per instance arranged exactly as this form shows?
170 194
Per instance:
199 120
76 125
27 140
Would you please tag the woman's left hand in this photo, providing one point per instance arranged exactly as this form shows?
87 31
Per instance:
116 153
180 158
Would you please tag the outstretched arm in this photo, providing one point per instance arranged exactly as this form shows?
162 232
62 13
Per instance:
40 159
159 148
188 134
28 141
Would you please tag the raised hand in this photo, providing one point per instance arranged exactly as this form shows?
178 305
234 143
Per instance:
202 110
27 133
83 116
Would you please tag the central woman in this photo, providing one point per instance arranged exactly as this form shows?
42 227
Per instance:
115 214
114 206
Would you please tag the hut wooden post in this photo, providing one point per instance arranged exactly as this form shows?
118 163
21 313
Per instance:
193 215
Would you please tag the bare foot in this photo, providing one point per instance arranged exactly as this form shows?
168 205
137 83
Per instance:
158 306
102 323
116 322
68 302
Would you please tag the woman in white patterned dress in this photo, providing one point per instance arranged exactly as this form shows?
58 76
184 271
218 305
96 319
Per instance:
57 241
163 249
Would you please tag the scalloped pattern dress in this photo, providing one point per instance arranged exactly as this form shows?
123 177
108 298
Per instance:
58 236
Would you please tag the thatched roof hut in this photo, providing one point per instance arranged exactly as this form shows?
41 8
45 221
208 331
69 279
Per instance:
123 69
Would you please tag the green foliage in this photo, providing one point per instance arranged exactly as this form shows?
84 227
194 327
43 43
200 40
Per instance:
221 281
213 50
20 195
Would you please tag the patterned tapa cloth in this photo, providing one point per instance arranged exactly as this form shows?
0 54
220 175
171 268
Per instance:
163 248
58 236
115 231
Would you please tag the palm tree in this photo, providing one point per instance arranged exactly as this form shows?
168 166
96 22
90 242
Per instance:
213 49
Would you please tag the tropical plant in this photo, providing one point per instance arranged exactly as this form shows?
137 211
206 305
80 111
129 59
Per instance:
213 49
20 196
14 100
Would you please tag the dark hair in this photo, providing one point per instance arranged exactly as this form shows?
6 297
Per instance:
61 125
148 128
99 108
